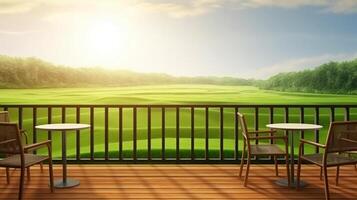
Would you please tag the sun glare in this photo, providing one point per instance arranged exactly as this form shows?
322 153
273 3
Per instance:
105 42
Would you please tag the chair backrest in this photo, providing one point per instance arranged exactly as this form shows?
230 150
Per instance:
342 136
243 124
4 116
10 139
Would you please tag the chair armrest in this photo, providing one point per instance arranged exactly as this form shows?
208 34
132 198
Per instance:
303 141
7 141
268 137
37 145
260 132
349 140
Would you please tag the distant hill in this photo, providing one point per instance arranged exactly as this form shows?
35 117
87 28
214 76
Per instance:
332 77
35 73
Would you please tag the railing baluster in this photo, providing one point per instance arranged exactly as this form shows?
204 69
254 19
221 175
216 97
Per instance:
149 133
134 134
256 122
192 133
332 114
63 113
120 133
20 120
236 134
106 134
221 144
302 120
177 133
78 139
49 121
317 132
207 133
34 131
163 133
91 132
271 120
347 114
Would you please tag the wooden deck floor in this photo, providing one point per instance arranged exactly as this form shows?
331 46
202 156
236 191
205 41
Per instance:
177 182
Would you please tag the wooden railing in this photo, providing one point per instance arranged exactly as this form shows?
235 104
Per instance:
169 120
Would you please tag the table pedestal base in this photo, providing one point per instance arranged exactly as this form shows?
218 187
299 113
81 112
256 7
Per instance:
68 184
284 183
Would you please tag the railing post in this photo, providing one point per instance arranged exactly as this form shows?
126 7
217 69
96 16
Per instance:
78 136
302 120
134 134
332 114
163 134
49 121
34 131
317 132
221 144
149 133
256 122
20 120
106 134
120 133
91 115
236 134
347 114
207 134
177 133
192 133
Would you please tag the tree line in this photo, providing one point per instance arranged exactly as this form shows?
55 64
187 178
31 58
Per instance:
332 77
35 73
15 72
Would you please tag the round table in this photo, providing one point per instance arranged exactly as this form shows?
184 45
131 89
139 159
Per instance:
292 128
64 182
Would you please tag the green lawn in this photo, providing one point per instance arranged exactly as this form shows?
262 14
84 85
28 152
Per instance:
172 94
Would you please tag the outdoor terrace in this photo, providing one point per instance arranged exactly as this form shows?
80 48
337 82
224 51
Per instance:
177 182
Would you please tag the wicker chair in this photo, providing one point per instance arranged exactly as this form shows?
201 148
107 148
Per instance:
5 117
10 144
341 139
261 149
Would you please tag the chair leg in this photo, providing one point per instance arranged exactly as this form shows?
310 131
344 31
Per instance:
242 162
247 171
51 174
7 175
28 174
321 174
21 188
276 166
337 174
327 194
298 173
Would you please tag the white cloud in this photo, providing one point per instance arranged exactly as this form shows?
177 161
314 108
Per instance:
342 6
302 64
177 8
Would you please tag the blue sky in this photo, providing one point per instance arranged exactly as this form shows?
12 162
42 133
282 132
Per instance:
242 38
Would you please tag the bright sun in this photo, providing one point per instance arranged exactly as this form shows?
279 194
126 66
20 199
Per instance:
105 42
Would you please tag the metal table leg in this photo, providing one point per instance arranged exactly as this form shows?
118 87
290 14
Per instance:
65 182
284 182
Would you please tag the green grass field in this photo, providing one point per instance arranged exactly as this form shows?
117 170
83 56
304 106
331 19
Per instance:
172 94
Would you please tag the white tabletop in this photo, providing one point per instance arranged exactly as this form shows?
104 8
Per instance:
62 127
294 126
